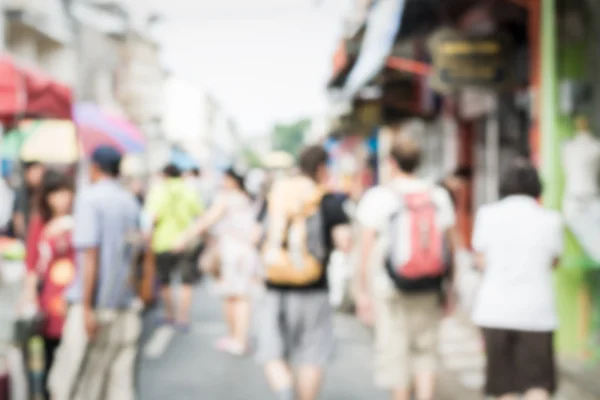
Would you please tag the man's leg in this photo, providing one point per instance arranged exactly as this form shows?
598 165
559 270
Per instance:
185 304
537 394
311 319
280 379
425 385
392 351
271 344
309 380
121 375
190 276
167 298
69 358
101 354
424 314
164 265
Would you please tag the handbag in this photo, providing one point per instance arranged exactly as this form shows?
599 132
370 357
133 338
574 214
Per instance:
142 269
210 259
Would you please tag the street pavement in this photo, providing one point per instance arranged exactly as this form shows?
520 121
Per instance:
186 366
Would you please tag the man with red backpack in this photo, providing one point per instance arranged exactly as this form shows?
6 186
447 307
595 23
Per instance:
407 235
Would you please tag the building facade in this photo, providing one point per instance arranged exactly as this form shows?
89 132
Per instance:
38 34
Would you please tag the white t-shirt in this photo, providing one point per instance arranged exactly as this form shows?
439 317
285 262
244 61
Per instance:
581 160
519 240
377 207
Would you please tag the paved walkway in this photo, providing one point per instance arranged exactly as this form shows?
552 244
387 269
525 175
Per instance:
182 367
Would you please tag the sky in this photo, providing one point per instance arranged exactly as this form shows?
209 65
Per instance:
266 61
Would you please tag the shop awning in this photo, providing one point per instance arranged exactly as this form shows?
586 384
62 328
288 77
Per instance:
12 96
50 141
389 22
46 98
383 25
28 92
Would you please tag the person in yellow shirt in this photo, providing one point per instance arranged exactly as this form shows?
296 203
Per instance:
173 206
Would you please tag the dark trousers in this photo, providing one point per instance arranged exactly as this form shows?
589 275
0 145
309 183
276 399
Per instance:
50 346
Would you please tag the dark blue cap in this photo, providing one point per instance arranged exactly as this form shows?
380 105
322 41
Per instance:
107 158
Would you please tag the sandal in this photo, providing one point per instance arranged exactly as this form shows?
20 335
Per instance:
222 344
236 349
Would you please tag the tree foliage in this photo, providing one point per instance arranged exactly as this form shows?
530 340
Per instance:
290 137
251 158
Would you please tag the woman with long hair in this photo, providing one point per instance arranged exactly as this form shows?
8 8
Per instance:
51 266
231 217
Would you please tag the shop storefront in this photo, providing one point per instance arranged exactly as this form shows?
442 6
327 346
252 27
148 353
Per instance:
515 78
27 94
570 154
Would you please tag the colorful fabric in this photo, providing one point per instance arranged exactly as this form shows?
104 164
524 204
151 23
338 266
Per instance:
51 258
57 271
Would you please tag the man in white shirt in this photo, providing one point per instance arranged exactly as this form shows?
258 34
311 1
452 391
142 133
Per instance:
406 322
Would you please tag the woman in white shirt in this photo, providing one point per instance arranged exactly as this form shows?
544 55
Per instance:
517 244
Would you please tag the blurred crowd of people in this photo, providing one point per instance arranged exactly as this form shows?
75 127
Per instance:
283 253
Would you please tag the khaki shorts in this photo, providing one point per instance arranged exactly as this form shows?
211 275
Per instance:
406 332
98 370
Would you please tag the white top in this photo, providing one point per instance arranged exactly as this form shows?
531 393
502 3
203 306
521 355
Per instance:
381 202
519 240
581 161
7 197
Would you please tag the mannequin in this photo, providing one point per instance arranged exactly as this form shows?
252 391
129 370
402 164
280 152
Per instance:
581 203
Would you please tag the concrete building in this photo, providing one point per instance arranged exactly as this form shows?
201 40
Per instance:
38 34
101 33
121 69
140 82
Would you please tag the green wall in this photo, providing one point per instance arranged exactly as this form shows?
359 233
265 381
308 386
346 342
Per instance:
560 63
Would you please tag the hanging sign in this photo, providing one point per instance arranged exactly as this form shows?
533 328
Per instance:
466 61
368 114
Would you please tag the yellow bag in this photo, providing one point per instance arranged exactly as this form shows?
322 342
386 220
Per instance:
294 251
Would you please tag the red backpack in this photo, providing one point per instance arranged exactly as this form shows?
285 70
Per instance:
416 253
